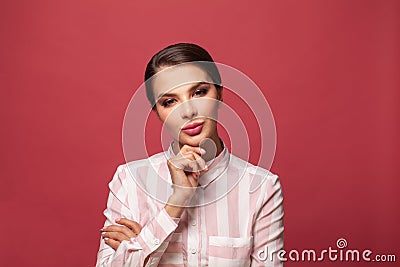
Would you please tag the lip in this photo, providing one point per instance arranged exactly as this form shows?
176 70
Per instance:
192 125
193 128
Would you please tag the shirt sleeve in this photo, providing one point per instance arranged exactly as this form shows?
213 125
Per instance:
153 238
268 226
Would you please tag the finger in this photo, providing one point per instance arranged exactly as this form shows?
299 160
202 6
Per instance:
182 161
115 228
196 149
192 166
201 162
189 155
196 163
112 243
118 236
134 226
189 163
119 228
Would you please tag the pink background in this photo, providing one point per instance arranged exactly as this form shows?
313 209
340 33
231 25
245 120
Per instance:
329 70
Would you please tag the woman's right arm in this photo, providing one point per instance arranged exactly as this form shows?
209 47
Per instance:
157 232
153 236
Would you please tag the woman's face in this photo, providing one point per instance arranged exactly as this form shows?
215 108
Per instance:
187 103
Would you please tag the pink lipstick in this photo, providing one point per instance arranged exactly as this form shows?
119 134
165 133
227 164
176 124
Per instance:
193 128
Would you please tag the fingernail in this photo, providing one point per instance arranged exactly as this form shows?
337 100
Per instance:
101 230
117 219
202 151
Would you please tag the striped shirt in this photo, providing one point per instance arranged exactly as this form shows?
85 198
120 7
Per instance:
236 216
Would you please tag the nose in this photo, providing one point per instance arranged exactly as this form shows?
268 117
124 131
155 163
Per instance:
188 110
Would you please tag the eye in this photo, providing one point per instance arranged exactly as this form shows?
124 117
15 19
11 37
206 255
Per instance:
167 102
201 91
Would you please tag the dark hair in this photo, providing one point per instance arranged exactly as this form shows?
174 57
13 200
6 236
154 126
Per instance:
177 54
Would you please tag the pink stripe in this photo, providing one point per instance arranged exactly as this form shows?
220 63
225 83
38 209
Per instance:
229 252
211 214
270 203
253 202
156 229
143 244
271 190
116 184
161 190
116 208
142 197
233 201
263 233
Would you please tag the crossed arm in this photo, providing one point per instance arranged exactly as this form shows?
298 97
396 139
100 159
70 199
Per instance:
141 242
113 235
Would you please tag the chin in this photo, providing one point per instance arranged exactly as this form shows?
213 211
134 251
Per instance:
193 140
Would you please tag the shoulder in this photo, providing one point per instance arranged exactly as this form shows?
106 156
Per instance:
256 177
134 165
154 159
259 186
134 168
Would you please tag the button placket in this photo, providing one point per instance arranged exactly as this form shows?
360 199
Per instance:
193 237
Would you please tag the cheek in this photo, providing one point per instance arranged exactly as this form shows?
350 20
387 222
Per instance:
208 109
162 114
167 117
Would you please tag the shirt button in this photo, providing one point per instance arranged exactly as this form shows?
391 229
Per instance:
156 241
193 251
194 223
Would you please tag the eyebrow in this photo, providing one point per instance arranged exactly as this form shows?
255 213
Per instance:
192 88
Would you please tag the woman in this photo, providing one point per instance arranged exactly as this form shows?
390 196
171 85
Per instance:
234 230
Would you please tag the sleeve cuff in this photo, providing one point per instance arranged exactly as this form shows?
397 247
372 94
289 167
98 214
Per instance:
156 232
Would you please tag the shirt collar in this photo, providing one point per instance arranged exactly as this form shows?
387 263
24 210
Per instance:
216 166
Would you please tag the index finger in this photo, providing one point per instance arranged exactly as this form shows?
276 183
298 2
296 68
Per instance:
196 149
134 226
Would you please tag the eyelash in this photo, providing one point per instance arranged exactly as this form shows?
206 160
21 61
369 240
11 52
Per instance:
165 102
199 92
202 91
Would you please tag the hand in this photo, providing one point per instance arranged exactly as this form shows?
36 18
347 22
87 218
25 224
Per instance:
114 234
185 169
